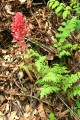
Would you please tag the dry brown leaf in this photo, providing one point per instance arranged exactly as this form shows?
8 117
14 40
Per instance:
2 108
4 51
2 99
77 55
2 117
12 91
35 112
50 56
59 107
29 3
48 110
31 26
41 112
7 107
29 74
22 1
27 115
49 32
33 118
61 115
8 9
27 108
23 118
12 115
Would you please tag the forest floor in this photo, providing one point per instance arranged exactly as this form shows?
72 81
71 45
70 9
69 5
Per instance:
19 98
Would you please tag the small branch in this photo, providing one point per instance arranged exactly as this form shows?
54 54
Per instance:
29 74
54 51
23 94
35 18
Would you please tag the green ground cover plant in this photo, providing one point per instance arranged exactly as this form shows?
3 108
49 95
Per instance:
52 79
52 116
70 15
61 9
64 31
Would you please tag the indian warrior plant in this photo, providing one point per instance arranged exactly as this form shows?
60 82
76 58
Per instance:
19 29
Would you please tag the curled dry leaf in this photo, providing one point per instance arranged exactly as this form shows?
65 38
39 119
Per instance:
77 55
27 108
29 3
2 117
2 108
23 118
7 108
12 115
20 74
8 9
22 1
41 112
27 115
2 99
31 26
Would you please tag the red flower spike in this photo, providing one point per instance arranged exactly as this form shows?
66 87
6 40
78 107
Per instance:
19 29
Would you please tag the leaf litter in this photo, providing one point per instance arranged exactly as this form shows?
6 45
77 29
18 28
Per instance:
19 99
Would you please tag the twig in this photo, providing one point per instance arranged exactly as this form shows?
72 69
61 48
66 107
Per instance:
29 74
43 47
23 94
63 113
35 18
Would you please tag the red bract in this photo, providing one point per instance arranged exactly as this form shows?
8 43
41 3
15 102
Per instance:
19 28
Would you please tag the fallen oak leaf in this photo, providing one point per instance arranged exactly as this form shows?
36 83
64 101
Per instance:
41 112
28 73
12 115
2 117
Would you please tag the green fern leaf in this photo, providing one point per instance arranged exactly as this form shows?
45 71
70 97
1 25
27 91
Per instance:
75 91
47 89
67 46
50 4
60 28
64 53
55 4
52 116
63 24
40 62
59 8
65 13
68 8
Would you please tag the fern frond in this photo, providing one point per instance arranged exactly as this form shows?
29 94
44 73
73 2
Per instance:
70 80
64 32
47 89
57 68
75 91
54 78
39 63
